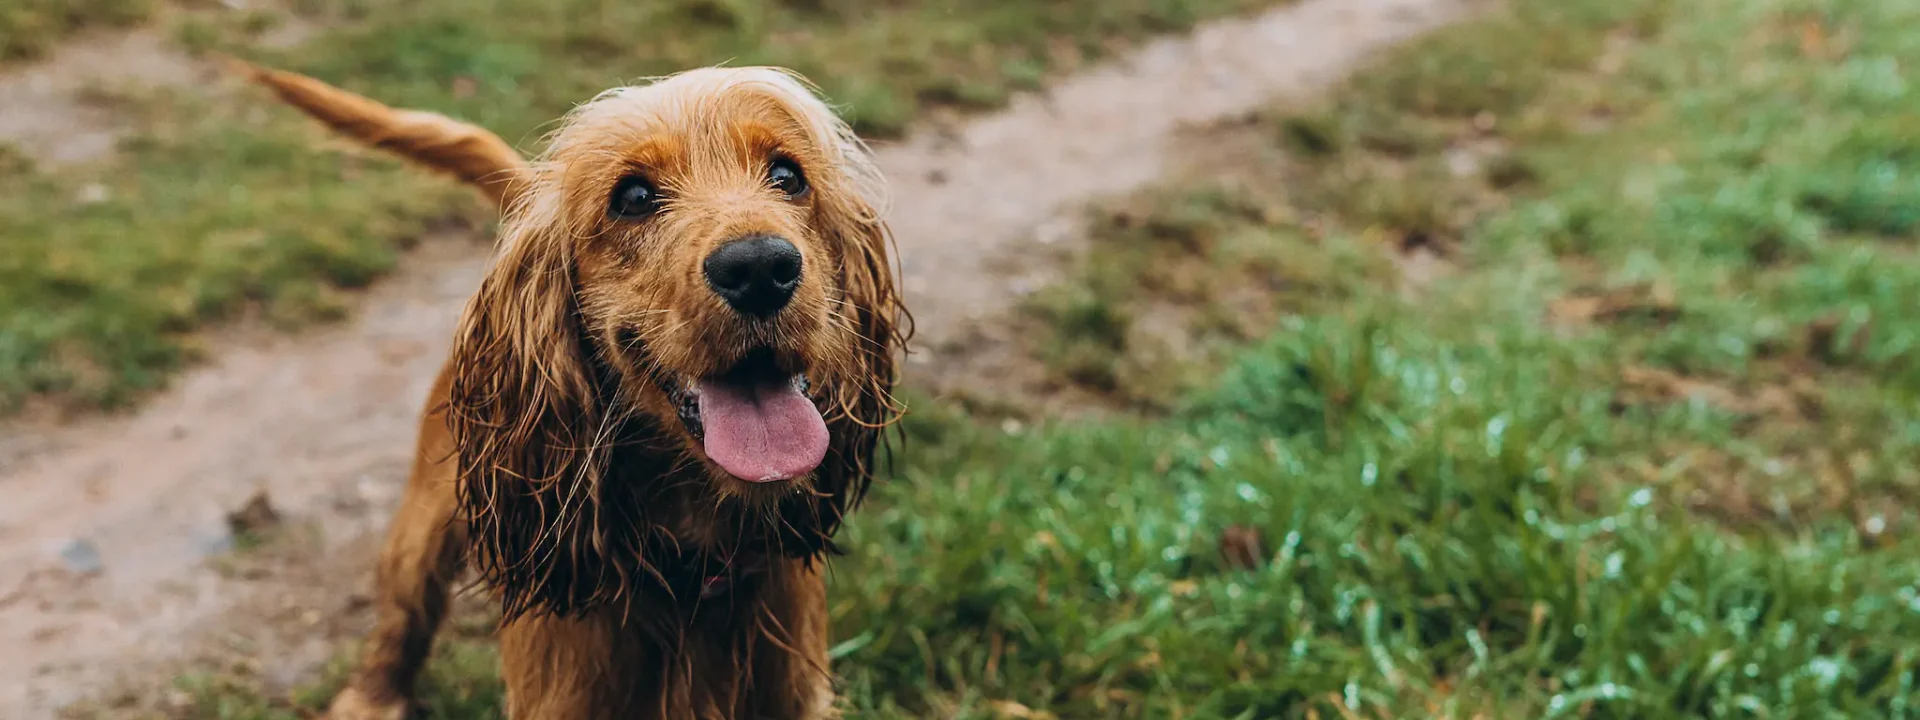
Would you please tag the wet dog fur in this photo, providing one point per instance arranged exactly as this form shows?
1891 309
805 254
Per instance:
556 457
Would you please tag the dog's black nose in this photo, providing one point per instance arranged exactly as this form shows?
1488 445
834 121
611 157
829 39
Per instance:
755 275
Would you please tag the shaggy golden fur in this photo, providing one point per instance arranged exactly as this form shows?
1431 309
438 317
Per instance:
556 455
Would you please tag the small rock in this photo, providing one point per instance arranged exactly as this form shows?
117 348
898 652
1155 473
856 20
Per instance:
1874 524
1463 162
218 543
92 194
1485 121
254 517
81 556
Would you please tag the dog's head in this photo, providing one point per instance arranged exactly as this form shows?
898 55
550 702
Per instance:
695 281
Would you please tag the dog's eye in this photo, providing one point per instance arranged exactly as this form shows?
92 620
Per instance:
785 176
633 198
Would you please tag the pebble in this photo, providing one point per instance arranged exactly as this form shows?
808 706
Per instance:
92 194
215 543
254 517
81 556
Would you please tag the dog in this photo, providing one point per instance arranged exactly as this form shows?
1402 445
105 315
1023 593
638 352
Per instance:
669 389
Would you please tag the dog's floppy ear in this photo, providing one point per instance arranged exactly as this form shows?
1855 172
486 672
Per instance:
876 311
468 152
862 404
526 419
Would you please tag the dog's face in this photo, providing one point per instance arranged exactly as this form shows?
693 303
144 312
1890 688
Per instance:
716 237
717 210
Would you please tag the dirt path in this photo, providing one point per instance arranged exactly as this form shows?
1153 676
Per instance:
112 535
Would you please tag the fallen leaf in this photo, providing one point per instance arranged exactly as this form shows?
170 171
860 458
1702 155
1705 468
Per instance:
1813 39
253 517
1011 709
1574 309
1823 337
1242 547
1667 386
1651 301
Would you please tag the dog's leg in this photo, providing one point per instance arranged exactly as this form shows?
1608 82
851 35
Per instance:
790 677
423 556
593 667
600 667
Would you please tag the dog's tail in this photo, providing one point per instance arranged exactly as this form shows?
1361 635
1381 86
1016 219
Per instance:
468 152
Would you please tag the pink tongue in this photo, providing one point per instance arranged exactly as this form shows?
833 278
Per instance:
761 432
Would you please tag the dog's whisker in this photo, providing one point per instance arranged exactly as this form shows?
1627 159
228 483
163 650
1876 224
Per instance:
848 322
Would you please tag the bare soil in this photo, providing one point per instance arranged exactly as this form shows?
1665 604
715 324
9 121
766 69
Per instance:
50 109
116 557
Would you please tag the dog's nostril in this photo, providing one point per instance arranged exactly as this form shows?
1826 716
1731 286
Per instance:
786 270
727 276
755 275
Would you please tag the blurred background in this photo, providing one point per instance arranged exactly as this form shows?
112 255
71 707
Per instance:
1309 358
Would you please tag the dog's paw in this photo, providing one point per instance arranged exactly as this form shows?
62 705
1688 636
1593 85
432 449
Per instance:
351 704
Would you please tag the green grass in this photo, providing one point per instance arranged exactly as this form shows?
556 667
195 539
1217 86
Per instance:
1181 282
29 28
1693 498
217 205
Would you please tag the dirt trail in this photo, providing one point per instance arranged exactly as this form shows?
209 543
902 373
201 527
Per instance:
112 537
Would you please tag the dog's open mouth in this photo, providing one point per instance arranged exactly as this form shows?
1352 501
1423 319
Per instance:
755 420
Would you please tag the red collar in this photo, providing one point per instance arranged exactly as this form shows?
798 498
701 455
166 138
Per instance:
719 581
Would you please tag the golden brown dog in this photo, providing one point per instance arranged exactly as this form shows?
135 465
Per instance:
666 394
